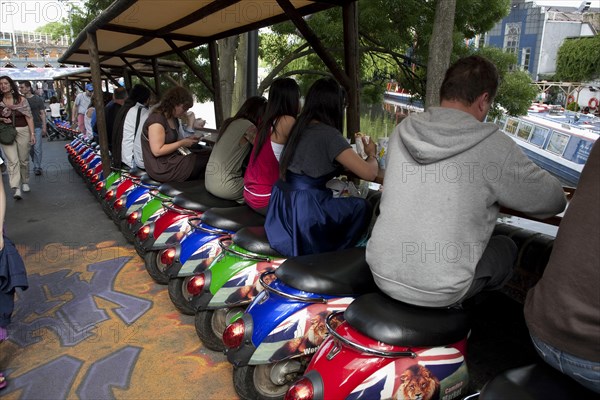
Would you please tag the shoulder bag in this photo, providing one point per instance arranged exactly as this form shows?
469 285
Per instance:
8 132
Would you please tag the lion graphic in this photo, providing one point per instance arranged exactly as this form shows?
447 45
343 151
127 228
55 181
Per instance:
418 383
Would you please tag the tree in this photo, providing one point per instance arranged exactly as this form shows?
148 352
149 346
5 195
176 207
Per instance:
579 59
440 49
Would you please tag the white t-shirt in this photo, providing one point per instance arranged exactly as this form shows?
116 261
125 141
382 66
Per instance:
55 110
129 146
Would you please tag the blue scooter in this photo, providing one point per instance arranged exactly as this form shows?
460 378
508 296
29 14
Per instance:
272 343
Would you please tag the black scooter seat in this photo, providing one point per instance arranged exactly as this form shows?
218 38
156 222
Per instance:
146 180
201 201
232 218
172 189
343 272
534 382
136 172
393 322
254 239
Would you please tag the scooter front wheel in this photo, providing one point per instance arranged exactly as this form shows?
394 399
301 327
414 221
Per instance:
179 295
210 325
256 381
152 264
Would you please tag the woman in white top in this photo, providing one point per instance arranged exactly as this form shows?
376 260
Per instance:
54 108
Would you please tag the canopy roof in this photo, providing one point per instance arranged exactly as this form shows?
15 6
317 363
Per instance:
130 30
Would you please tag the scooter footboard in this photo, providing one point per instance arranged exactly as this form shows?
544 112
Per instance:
441 372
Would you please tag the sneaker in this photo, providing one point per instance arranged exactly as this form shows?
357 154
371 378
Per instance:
26 187
17 194
37 172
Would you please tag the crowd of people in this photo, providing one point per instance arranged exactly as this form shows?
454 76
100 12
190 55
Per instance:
448 173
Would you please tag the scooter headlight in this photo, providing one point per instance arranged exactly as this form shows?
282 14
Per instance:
99 186
195 285
118 204
301 390
234 334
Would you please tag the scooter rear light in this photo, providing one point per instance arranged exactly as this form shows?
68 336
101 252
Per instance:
90 172
95 178
195 285
109 195
301 390
143 233
132 218
167 256
118 204
234 334
99 186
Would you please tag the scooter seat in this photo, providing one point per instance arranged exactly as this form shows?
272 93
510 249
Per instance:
137 172
172 189
146 180
254 239
534 382
201 201
232 218
393 322
343 272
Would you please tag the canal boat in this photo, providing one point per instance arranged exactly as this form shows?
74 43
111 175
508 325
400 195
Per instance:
559 143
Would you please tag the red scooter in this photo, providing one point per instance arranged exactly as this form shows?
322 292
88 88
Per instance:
386 349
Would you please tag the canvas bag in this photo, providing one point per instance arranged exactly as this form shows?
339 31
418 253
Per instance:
8 132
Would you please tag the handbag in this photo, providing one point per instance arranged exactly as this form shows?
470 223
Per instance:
8 132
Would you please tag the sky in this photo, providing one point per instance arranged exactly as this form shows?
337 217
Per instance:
27 15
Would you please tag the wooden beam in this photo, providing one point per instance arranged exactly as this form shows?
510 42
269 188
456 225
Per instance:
132 68
156 71
193 67
351 56
315 42
99 102
213 56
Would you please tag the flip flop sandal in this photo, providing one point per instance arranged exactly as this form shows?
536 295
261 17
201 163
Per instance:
3 382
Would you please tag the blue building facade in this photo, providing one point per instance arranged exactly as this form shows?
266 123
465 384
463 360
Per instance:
520 33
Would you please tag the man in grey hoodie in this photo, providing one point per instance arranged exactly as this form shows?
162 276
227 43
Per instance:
447 175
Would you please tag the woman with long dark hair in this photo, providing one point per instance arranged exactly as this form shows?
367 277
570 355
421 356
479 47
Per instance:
165 156
263 168
303 217
224 176
14 109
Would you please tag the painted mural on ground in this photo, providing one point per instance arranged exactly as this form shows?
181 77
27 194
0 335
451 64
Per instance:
93 325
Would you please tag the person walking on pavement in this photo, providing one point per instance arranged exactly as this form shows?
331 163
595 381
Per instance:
82 103
14 108
38 111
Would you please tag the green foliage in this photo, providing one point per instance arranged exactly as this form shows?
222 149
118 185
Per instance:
55 29
573 106
515 93
579 59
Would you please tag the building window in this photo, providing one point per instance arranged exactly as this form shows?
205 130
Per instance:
512 35
525 58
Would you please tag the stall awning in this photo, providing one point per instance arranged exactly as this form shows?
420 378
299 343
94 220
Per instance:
39 74
143 29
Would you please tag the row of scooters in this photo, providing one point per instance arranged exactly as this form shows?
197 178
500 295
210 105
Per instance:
308 327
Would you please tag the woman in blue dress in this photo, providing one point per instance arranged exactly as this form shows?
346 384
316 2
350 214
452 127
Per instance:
303 216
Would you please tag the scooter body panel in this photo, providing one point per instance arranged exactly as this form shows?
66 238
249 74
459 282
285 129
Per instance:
198 251
242 286
284 328
351 374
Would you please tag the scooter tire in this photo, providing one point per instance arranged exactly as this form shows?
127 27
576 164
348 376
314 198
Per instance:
246 378
126 231
176 294
210 325
151 264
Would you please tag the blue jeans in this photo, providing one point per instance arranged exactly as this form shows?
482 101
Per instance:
587 373
36 150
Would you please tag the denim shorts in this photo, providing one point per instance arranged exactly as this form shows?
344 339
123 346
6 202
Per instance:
587 373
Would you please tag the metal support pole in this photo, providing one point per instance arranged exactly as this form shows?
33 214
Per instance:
252 71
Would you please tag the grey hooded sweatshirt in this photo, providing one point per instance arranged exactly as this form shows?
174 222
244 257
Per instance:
447 176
